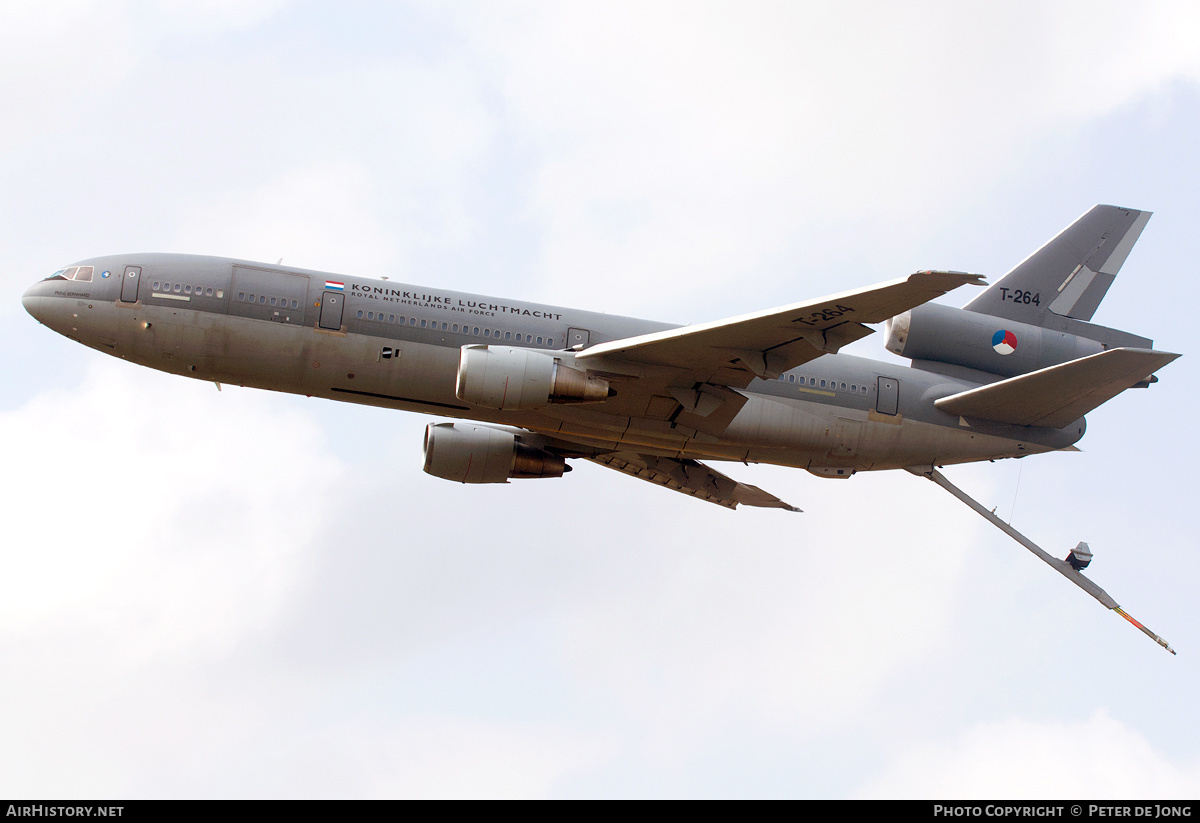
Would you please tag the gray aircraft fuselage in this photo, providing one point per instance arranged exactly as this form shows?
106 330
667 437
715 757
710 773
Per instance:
383 343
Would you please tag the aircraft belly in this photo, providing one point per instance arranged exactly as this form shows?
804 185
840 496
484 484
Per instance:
287 358
789 423
803 433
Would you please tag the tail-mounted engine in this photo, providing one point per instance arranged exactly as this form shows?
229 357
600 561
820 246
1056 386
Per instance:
934 333
471 453
507 378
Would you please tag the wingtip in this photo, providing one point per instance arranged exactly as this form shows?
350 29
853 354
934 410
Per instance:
948 280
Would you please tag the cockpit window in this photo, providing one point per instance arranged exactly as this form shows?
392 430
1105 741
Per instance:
74 273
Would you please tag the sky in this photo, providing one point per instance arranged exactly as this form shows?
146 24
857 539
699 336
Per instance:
247 594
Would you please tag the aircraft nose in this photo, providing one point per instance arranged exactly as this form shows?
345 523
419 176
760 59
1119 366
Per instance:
44 305
34 301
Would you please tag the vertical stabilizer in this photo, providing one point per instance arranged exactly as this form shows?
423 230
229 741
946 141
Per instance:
1069 275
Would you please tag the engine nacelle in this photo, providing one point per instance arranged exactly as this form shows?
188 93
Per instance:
507 378
944 334
471 453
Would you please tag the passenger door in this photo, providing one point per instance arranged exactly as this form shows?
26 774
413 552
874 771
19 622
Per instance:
129 284
887 400
332 303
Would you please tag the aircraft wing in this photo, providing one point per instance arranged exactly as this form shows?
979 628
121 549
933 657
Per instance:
765 344
1058 395
691 477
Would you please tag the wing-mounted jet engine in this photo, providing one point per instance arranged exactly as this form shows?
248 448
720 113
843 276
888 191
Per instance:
471 453
509 378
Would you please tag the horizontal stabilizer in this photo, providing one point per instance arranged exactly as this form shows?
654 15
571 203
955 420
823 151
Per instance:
1056 396
691 477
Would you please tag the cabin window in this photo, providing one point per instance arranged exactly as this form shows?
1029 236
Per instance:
360 314
208 293
476 331
391 318
220 292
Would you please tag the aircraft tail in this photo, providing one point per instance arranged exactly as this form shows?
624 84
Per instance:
1070 274
1036 316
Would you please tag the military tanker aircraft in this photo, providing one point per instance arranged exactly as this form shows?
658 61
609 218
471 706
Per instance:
533 386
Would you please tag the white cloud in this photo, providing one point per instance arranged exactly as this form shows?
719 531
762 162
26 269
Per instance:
779 622
216 15
153 510
688 145
461 758
323 215
54 59
1099 758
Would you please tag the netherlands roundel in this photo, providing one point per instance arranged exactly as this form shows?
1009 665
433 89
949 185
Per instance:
1005 342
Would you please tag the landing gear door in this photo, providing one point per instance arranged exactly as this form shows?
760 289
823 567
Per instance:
888 399
332 303
129 284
